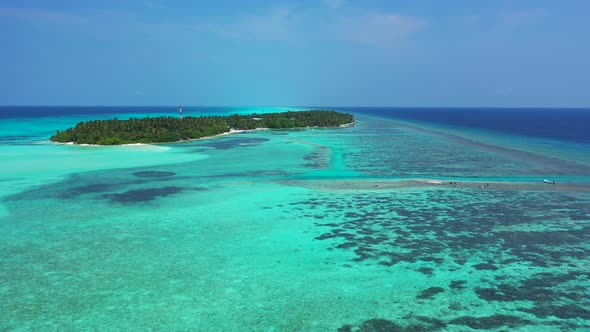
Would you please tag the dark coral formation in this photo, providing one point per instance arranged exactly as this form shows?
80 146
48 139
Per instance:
427 271
485 266
89 189
379 325
230 143
318 158
541 288
458 284
475 230
153 174
390 228
429 293
569 311
490 322
142 195
420 323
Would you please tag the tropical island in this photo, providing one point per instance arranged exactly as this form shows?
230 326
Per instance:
171 129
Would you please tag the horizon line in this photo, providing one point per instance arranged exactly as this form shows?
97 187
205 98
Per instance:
304 106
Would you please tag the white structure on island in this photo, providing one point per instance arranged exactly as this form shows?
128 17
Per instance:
180 111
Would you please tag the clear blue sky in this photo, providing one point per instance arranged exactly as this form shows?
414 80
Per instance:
322 52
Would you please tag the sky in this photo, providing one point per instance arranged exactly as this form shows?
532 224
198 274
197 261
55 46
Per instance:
464 53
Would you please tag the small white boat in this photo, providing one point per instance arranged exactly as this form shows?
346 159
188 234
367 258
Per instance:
549 181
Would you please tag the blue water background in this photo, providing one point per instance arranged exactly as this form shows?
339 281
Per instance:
555 123
563 124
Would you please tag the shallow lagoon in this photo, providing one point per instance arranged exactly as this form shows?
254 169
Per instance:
305 230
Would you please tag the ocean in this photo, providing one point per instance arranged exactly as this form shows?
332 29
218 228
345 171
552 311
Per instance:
422 219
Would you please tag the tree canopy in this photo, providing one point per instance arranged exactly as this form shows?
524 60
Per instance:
171 129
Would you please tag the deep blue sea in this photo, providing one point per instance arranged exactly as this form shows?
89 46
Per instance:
556 123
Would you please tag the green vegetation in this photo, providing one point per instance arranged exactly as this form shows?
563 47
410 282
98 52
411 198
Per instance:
169 129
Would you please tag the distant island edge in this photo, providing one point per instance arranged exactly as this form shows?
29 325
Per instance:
154 130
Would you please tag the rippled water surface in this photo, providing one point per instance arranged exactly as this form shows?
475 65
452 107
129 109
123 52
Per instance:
383 226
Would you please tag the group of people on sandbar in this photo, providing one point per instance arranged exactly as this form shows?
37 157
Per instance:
483 186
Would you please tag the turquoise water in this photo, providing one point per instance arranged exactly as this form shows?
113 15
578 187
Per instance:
348 229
